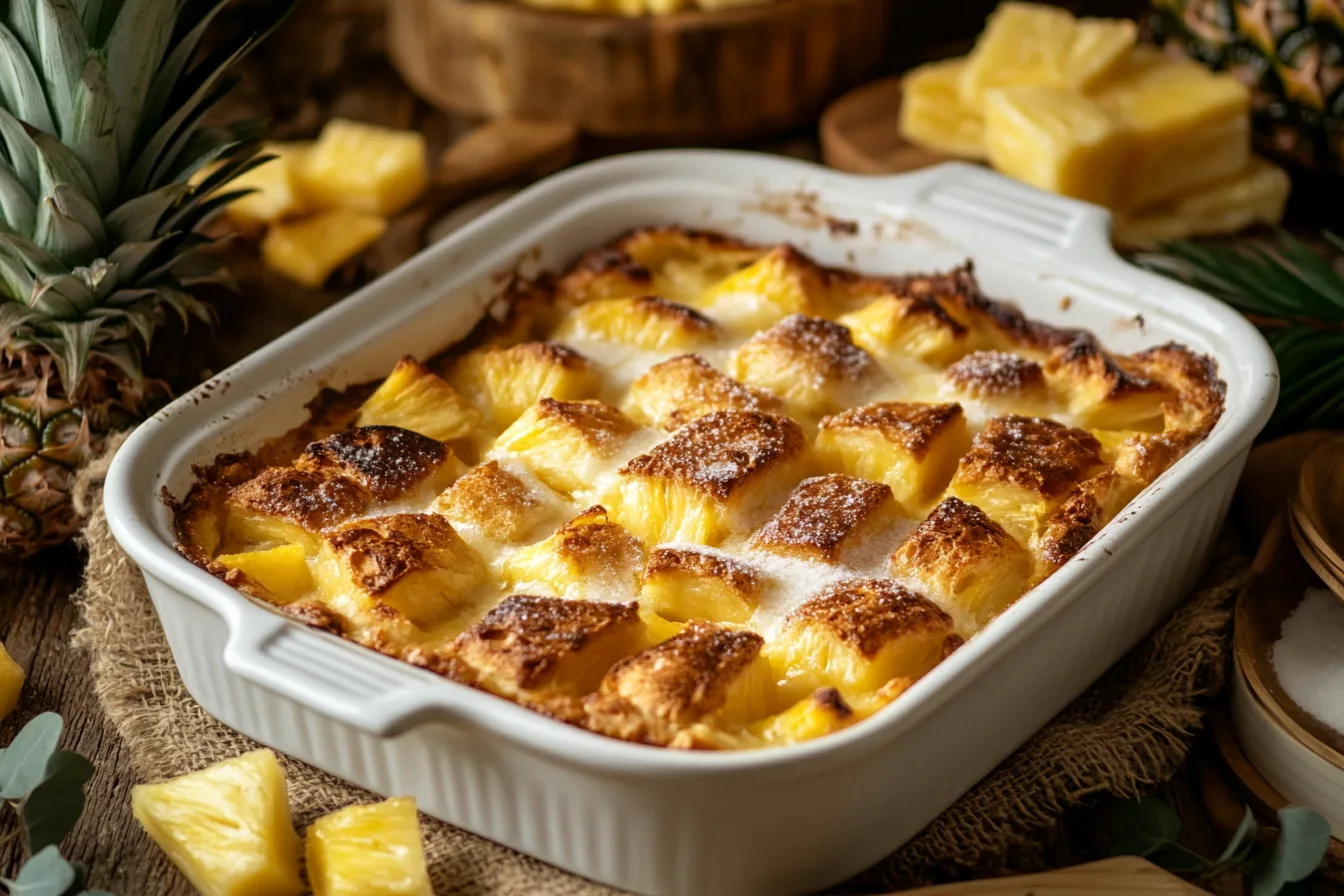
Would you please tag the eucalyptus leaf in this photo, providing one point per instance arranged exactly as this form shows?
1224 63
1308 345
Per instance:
20 87
23 764
135 47
1243 836
77 886
93 136
1141 826
1304 837
62 50
45 874
51 810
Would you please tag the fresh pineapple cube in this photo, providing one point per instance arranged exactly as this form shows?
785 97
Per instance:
810 362
566 443
913 448
706 673
1018 469
393 464
783 282
11 682
963 557
1184 125
674 392
684 263
822 712
277 195
508 381
414 397
1255 195
696 485
828 517
365 168
548 644
859 634
369 851
895 327
412 563
647 322
282 506
309 250
494 504
933 114
227 827
282 570
588 558
683 583
1038 45
1056 139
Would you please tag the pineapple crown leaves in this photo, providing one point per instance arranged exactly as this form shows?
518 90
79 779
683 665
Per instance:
101 132
45 786
1295 295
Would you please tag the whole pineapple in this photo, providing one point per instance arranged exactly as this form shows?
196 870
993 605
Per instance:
1290 52
101 105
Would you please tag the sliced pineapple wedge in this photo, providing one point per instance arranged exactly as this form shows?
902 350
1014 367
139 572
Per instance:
11 682
933 114
226 827
369 851
365 168
308 251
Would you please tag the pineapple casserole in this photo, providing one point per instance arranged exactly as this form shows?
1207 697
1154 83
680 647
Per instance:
697 493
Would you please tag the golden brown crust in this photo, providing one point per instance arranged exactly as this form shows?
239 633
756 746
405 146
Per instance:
315 614
1090 506
952 543
495 501
738 577
380 551
986 374
825 515
595 543
600 425
676 391
525 638
1082 361
1032 453
387 460
312 500
682 317
915 427
603 274
722 452
820 346
868 614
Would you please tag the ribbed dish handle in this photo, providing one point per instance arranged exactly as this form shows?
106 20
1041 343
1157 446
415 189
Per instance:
959 195
343 681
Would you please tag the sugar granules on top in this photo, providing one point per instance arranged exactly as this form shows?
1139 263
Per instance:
1309 656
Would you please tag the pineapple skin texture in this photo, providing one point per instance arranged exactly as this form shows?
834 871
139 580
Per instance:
310 250
368 851
933 114
11 682
227 828
365 168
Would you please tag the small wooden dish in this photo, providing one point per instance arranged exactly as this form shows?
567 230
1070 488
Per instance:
683 77
859 133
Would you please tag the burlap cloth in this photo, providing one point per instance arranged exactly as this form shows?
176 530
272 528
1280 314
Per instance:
1132 729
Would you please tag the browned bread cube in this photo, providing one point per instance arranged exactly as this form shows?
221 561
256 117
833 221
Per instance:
494 504
392 463
674 392
809 362
826 518
281 505
589 558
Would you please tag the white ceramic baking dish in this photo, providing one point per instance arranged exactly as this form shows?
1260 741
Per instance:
660 821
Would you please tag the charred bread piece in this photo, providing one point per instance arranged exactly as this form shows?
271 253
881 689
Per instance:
281 505
913 448
1103 391
893 327
827 517
1090 505
392 463
699 483
966 560
1000 382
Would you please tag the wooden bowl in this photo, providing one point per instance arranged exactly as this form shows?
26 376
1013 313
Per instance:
684 77
859 133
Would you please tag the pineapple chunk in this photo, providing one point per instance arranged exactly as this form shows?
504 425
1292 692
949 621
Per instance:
783 282
308 251
1037 45
495 504
684 263
697 484
682 584
281 506
859 634
282 570
412 563
369 851
1255 195
1185 126
823 712
933 114
1056 139
810 362
226 827
588 558
11 682
913 448
277 195
1020 468
647 322
894 327
508 381
365 168
414 397
967 560
1106 392
529 645
674 392
828 517
566 443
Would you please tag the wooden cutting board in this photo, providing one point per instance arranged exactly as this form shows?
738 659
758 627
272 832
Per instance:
1120 876
859 133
